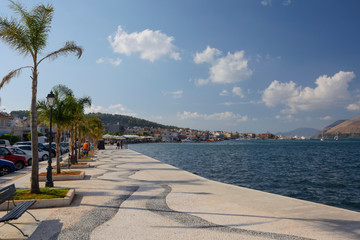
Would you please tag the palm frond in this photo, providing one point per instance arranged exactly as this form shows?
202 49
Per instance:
61 91
70 47
14 34
40 25
11 75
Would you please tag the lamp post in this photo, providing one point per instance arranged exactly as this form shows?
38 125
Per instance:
49 182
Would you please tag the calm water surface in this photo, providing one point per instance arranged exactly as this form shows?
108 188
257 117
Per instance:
325 172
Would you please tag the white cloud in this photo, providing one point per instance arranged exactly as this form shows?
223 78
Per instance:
354 106
112 109
326 118
266 2
238 92
174 94
228 69
151 45
224 116
208 55
241 103
286 2
201 82
329 90
224 93
114 62
100 60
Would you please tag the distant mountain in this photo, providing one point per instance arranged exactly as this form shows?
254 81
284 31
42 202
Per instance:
323 131
127 121
20 114
349 129
300 132
109 119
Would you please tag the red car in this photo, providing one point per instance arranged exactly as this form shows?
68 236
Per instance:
19 161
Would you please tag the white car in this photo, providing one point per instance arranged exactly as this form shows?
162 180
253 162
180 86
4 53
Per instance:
18 151
43 155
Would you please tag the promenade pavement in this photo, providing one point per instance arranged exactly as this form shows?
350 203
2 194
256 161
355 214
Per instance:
126 195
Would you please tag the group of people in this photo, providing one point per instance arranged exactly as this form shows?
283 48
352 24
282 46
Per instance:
119 144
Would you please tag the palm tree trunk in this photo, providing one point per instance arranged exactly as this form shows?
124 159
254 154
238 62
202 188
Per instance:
34 137
58 133
72 138
79 143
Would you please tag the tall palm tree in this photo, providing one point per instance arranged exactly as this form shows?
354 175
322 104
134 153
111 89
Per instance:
78 107
61 114
28 36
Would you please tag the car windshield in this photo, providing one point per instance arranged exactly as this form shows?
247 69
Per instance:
17 151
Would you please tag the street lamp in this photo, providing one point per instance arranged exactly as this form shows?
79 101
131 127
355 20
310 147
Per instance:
49 182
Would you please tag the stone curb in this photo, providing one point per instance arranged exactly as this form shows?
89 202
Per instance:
64 177
45 203
80 166
85 160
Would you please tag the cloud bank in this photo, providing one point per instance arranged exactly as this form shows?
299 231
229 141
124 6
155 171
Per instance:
112 109
329 90
174 94
231 68
150 44
215 116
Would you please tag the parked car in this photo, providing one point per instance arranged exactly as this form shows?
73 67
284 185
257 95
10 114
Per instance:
53 146
65 146
22 143
6 167
18 151
40 146
43 155
5 143
19 161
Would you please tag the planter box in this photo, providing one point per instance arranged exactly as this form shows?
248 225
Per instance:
85 160
64 177
79 166
45 203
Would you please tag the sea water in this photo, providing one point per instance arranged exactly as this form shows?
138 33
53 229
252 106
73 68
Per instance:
326 172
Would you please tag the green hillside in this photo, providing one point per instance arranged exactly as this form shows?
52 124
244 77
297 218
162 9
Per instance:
127 121
108 119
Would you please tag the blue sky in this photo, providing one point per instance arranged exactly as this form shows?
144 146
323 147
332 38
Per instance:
246 66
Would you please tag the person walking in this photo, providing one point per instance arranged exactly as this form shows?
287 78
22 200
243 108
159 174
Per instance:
86 148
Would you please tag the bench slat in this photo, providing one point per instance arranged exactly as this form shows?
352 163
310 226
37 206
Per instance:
16 212
7 193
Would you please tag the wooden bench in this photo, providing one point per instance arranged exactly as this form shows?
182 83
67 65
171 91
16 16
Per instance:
7 194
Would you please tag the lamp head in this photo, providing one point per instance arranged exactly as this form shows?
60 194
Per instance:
51 98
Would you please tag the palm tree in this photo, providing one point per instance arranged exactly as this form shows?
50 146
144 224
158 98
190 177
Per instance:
78 106
96 129
61 115
28 36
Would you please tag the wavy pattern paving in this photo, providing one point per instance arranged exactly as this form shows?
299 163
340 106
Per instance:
96 217
158 205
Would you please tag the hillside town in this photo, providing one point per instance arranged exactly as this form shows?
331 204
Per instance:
20 127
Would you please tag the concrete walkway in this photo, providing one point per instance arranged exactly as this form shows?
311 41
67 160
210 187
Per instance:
126 195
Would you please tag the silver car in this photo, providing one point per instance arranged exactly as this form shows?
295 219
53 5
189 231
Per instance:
43 155
18 151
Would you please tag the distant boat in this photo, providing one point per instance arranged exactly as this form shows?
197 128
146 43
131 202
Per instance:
322 136
337 136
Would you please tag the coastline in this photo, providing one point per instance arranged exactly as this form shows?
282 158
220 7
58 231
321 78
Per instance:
127 195
322 172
